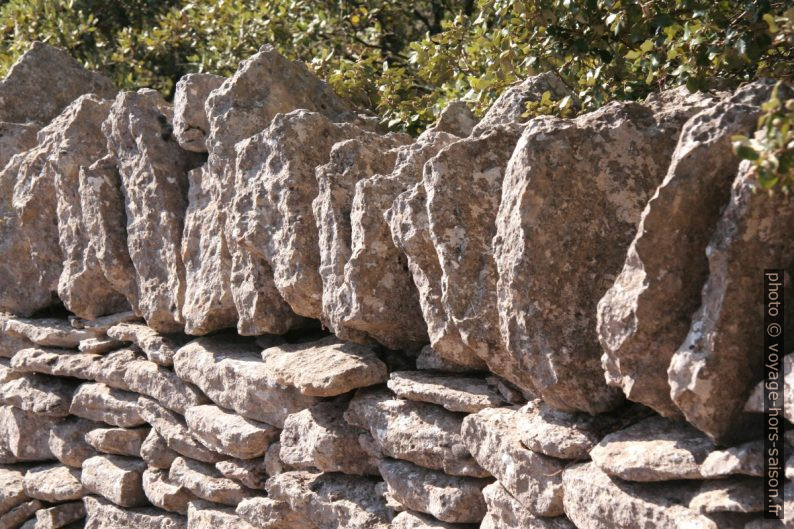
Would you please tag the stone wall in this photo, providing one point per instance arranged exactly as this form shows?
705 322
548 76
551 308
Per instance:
255 309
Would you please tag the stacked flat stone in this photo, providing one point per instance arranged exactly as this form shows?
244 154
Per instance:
256 309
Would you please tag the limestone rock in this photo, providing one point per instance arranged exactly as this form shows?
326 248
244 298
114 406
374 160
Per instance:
101 514
593 500
17 515
43 81
745 459
508 513
158 382
271 514
38 394
163 493
54 483
204 515
741 495
114 369
67 442
117 441
101 324
616 157
415 520
60 515
12 490
320 438
645 315
153 170
331 499
6 373
455 393
353 305
755 402
155 451
249 472
58 362
205 482
560 434
655 449
449 498
16 138
99 345
324 368
105 221
25 435
190 120
264 85
47 332
159 348
232 374
424 434
273 463
494 440
455 119
98 402
271 229
82 285
715 368
511 106
228 433
173 429
11 343
429 359
115 478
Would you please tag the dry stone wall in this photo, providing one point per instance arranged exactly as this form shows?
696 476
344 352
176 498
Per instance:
256 309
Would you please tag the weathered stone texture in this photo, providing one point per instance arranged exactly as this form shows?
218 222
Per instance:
172 428
190 120
54 483
455 393
115 478
228 433
101 514
117 441
38 394
205 482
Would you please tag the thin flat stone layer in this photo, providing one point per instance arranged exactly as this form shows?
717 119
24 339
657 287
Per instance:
153 380
117 441
159 348
38 394
455 393
47 332
228 433
205 482
98 402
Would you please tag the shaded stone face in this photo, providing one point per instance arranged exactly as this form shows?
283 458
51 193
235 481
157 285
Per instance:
191 125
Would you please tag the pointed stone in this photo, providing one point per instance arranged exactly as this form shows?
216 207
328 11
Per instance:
165 494
324 368
39 394
450 499
455 393
101 514
232 374
646 314
117 441
155 451
173 429
535 480
205 482
190 120
115 478
158 348
67 441
98 402
319 438
153 170
655 449
228 433
54 483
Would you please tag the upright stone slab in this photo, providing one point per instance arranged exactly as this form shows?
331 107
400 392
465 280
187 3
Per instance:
190 119
646 314
153 171
715 368
264 85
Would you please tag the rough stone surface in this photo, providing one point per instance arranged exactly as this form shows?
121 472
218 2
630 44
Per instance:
59 515
16 138
10 343
205 482
593 500
205 515
38 394
163 493
159 348
320 438
172 428
17 516
99 345
153 170
115 478
67 442
54 483
449 498
324 368
117 441
422 433
148 378
12 490
101 514
455 393
616 157
455 119
755 403
271 514
190 120
231 373
47 332
25 435
415 520
99 402
155 451
250 472
332 499
655 449
272 224
506 512
535 480
646 314
429 359
105 221
741 495
714 370
746 459
228 433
